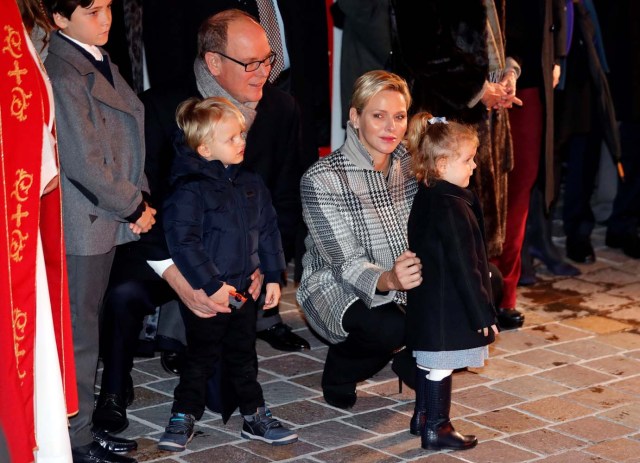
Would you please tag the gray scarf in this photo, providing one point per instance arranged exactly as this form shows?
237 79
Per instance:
208 86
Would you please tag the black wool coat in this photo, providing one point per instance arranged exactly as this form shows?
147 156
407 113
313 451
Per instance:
454 301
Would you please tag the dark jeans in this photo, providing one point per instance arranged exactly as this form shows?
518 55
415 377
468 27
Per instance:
227 337
374 334
126 304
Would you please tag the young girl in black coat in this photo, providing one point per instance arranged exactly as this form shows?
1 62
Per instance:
450 316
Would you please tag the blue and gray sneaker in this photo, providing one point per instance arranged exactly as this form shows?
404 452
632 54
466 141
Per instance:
267 429
178 433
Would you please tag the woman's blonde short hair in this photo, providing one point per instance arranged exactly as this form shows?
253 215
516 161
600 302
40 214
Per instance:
431 139
371 83
198 118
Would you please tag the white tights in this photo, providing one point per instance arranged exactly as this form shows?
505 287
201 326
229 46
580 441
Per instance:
435 375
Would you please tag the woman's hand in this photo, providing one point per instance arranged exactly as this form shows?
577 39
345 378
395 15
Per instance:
405 274
493 95
272 297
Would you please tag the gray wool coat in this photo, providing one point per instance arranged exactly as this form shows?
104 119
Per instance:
357 223
101 148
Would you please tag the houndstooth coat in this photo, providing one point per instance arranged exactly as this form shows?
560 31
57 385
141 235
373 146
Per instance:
357 221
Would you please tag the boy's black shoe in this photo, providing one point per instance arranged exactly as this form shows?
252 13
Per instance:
172 362
280 337
95 453
113 443
579 249
265 428
110 414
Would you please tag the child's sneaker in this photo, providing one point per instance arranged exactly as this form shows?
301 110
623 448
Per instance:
178 433
267 429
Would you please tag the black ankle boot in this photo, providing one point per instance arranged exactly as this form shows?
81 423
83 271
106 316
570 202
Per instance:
420 411
438 433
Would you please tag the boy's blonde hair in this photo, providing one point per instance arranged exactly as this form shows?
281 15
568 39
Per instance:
430 139
198 118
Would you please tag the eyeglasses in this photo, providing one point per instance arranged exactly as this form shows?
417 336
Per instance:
253 65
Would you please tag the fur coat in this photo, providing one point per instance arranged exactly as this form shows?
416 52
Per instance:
443 45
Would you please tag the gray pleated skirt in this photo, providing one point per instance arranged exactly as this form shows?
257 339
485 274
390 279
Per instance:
452 359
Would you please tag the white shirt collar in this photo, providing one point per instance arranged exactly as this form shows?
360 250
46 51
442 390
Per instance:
95 52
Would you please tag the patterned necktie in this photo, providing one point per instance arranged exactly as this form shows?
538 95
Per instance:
133 26
269 22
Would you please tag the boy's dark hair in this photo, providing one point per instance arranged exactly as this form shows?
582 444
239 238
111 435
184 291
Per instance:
64 7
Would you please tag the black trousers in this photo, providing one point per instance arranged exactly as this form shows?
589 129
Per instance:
374 335
227 337
126 304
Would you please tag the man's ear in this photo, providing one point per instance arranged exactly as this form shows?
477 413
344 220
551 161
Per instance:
60 21
213 62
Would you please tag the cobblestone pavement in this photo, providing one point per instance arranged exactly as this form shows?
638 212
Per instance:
564 389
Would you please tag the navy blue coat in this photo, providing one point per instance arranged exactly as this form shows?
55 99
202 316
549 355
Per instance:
220 224
445 230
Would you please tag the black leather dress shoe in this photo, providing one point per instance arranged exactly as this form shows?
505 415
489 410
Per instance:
509 319
280 337
110 414
629 243
172 362
579 250
113 443
95 453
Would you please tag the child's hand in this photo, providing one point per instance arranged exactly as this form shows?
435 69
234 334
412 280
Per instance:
273 296
145 222
256 284
222 295
485 330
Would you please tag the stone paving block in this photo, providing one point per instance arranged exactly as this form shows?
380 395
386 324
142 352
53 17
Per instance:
542 358
148 451
291 365
264 377
330 435
625 340
558 332
600 397
367 401
609 275
564 309
598 324
514 341
465 379
629 314
615 365
440 457
137 428
279 452
403 445
575 376
280 392
576 286
145 397
555 409
628 415
545 441
630 386
586 348
224 453
531 387
157 415
573 457
165 386
499 368
507 420
355 454
484 399
619 450
311 381
541 294
593 429
535 316
306 412
153 367
295 319
604 302
483 433
380 421
497 452
389 389
630 291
